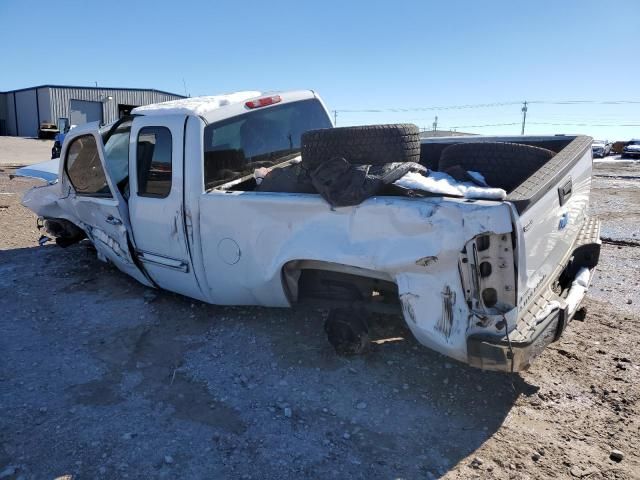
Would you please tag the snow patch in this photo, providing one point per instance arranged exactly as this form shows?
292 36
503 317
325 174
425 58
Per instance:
578 289
478 178
616 159
195 105
442 184
574 297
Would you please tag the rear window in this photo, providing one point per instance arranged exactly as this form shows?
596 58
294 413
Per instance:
259 138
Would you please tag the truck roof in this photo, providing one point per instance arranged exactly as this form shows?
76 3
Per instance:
217 107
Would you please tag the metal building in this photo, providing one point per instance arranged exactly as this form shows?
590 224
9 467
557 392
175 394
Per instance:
22 111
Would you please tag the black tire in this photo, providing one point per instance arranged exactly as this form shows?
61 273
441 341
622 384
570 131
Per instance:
55 151
347 331
367 145
503 165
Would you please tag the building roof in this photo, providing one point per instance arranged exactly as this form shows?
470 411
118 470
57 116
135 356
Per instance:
95 88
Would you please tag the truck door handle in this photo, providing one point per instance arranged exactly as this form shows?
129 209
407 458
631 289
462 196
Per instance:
113 220
564 192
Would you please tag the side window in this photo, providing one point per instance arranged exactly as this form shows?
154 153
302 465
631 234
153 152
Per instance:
84 169
116 156
154 162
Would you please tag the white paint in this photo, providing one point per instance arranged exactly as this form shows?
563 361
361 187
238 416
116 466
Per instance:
47 171
159 226
387 235
544 243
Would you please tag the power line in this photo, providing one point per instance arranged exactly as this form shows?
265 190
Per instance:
487 125
588 124
524 110
424 109
550 123
491 105
588 102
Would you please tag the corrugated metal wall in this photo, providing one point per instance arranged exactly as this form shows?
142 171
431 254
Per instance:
60 98
44 104
50 103
28 116
11 114
4 113
33 107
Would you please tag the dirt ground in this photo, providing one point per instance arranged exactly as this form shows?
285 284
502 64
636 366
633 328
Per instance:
24 151
101 377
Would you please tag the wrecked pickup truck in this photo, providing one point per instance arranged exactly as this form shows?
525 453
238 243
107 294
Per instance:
189 196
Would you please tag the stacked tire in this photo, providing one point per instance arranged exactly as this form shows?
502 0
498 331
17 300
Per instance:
362 145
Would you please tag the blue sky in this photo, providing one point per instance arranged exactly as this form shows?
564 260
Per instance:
357 55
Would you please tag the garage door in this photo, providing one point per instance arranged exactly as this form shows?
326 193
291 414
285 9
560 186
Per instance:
82 111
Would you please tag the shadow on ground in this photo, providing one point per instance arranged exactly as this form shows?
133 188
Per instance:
120 378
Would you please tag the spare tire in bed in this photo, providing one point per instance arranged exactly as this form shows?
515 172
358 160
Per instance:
365 145
503 165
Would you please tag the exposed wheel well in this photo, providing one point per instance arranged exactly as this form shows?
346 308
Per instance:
333 285
65 232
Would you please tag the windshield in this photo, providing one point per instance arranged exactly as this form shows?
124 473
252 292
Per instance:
634 142
259 138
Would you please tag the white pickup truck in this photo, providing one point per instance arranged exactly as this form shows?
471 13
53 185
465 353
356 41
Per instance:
169 196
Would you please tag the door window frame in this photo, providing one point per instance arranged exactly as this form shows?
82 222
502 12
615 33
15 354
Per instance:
96 139
137 162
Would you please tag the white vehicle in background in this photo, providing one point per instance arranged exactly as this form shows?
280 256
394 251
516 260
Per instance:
601 148
177 196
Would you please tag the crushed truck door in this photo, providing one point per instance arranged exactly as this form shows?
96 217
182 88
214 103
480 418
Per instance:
156 202
97 202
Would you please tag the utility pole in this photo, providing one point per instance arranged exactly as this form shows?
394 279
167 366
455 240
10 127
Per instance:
335 118
184 84
524 116
435 124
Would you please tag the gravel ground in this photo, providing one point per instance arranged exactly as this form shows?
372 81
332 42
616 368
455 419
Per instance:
101 377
